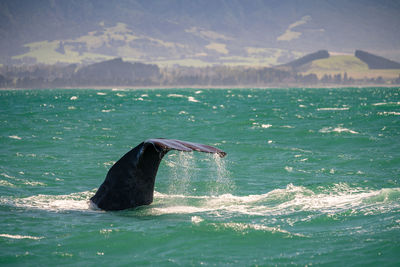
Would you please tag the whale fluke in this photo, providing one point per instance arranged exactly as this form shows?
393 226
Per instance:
130 181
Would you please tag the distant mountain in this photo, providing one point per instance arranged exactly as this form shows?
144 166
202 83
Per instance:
195 32
308 59
116 71
376 62
361 66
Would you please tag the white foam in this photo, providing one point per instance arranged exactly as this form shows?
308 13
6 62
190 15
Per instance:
21 181
281 202
192 99
386 103
21 236
107 110
179 210
174 95
7 176
71 202
15 137
196 220
6 183
74 97
331 109
244 227
278 202
261 125
384 113
338 129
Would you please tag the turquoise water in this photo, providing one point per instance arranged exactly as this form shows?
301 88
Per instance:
311 177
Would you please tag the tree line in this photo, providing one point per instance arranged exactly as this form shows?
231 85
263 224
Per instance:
117 72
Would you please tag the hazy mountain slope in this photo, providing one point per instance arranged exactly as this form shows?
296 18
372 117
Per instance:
308 59
349 64
200 31
376 62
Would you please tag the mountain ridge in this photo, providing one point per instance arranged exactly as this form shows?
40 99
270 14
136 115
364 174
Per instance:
196 33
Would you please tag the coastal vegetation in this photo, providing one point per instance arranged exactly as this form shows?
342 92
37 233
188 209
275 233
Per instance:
319 68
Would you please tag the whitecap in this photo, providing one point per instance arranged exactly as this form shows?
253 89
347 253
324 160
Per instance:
337 130
192 99
75 201
261 125
74 97
281 202
174 95
7 176
107 110
6 183
196 219
21 236
331 109
289 169
16 137
386 103
266 125
101 93
385 113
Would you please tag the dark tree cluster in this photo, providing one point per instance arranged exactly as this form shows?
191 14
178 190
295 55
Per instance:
117 72
114 72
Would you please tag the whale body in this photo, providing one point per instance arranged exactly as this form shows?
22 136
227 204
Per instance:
130 181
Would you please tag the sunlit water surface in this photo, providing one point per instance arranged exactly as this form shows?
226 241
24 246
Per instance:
311 177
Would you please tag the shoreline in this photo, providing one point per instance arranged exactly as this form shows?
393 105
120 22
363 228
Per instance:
128 88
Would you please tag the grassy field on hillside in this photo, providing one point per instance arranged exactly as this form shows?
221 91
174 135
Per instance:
351 65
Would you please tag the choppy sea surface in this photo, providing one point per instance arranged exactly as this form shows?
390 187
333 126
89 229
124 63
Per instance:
312 177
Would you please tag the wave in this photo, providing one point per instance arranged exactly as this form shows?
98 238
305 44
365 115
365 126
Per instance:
189 98
21 236
331 109
339 198
12 181
291 199
337 130
71 202
385 113
386 104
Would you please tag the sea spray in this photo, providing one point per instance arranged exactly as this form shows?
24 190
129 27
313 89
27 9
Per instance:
181 172
193 173
222 182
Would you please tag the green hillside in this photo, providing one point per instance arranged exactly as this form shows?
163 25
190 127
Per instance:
340 64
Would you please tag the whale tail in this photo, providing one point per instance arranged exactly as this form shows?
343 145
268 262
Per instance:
130 181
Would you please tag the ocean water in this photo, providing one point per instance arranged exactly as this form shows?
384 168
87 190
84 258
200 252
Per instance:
312 177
